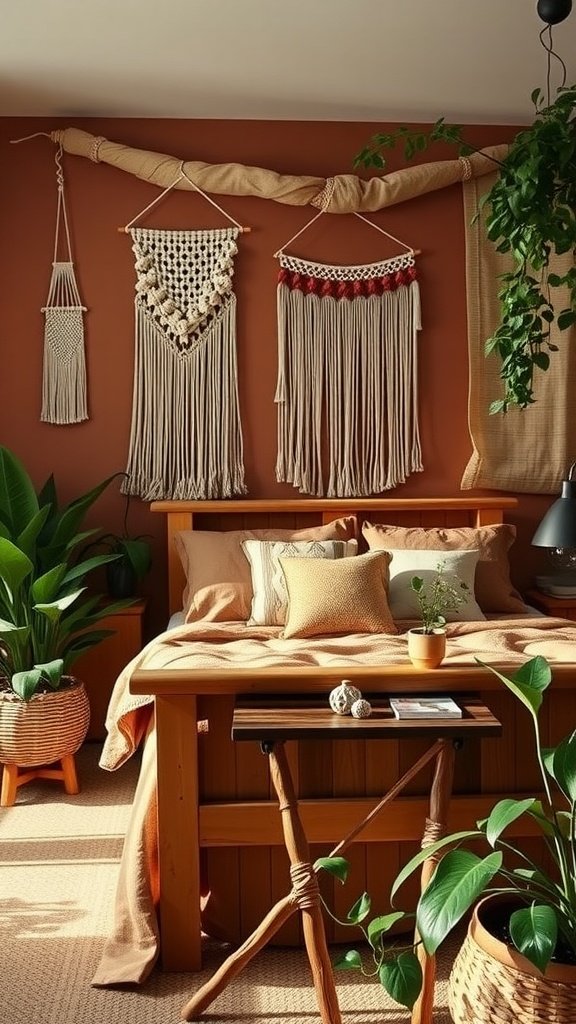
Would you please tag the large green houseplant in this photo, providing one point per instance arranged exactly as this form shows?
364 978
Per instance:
542 923
530 212
46 618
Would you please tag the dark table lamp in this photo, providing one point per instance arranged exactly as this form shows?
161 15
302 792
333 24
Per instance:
557 531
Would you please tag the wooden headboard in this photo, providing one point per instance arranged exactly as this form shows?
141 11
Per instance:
247 514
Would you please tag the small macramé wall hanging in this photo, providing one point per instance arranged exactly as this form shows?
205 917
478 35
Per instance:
186 437
347 374
64 391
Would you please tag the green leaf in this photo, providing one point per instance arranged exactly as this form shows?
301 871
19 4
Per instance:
360 910
337 866
429 851
541 360
82 568
18 501
503 814
402 978
528 683
52 671
380 925
16 566
46 587
566 318
72 516
534 932
457 883
351 961
26 683
138 553
561 764
53 609
26 540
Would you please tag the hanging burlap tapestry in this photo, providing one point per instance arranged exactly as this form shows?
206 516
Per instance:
186 440
64 366
347 375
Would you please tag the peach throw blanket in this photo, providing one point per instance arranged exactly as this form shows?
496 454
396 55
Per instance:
133 945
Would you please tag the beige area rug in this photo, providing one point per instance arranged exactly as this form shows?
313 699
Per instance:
58 866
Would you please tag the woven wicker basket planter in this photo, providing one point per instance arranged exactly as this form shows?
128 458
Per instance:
45 728
491 983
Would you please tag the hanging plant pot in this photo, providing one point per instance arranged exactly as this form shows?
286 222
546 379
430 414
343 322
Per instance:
491 983
44 729
426 650
121 579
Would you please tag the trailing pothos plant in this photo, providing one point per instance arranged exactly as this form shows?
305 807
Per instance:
530 212
542 923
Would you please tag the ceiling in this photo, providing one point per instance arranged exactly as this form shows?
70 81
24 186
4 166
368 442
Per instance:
475 61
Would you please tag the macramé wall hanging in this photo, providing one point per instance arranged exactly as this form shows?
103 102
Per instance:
64 397
347 374
186 436
186 440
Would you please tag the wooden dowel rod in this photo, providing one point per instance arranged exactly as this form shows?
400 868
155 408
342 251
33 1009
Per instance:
243 231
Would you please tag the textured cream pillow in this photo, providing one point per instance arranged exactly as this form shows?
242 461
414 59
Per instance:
270 600
493 587
218 582
459 567
344 596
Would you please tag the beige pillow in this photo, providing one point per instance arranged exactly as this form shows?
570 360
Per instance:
345 596
270 600
218 581
458 567
493 587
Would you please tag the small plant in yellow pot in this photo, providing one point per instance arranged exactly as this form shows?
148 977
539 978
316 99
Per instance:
436 596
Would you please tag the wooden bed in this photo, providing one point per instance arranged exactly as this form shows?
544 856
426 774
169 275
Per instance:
218 825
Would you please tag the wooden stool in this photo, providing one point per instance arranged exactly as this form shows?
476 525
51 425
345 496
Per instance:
15 776
279 720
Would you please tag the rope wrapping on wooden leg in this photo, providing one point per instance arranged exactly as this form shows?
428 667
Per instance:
305 890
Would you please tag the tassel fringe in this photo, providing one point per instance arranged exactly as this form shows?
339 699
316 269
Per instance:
348 370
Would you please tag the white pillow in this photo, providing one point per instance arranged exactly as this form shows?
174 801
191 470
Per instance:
270 597
424 563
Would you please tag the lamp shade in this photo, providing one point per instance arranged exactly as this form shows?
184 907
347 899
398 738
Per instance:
558 527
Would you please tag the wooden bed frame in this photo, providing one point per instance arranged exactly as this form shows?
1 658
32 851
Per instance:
219 828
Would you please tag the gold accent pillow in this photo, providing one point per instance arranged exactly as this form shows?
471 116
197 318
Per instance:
270 600
493 587
218 581
349 595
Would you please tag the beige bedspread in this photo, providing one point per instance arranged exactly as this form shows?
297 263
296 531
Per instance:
132 948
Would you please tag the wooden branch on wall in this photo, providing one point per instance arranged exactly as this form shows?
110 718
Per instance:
344 193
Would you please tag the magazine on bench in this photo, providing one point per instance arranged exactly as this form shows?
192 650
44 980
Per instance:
425 707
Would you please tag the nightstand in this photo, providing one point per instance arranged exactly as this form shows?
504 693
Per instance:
99 666
558 607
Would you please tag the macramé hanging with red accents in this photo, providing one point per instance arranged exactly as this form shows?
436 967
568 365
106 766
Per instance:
347 375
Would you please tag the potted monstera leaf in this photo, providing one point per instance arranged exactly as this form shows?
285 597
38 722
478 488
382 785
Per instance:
518 962
46 617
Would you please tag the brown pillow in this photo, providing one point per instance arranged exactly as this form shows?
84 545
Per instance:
218 578
349 595
493 587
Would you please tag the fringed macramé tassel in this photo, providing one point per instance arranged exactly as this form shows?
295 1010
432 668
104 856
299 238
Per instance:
186 439
348 353
64 398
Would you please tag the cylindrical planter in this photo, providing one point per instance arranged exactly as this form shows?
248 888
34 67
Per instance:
491 983
426 650
45 728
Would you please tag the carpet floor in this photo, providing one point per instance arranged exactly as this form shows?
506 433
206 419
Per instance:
58 867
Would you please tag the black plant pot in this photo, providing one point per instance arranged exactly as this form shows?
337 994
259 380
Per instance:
120 579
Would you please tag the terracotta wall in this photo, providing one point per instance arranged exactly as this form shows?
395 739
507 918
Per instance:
101 198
